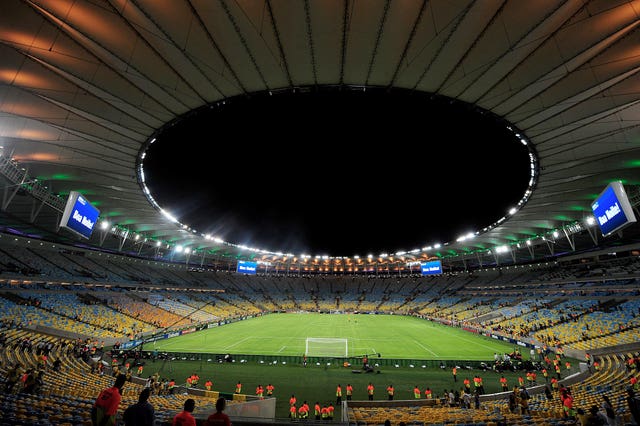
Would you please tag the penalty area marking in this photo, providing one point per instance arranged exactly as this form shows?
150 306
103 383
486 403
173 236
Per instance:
281 349
476 343
238 342
426 348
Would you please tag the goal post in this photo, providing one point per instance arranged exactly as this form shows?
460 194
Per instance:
326 347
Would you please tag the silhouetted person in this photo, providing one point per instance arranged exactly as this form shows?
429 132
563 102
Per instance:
140 413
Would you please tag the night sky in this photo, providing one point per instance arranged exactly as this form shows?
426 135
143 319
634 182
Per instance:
340 173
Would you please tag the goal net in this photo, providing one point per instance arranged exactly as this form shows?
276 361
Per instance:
326 347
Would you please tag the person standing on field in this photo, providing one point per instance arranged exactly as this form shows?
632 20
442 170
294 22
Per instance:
370 390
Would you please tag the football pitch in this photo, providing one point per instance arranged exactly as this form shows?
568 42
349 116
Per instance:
391 336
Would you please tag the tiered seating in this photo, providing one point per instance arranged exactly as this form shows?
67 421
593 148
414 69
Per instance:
180 309
437 415
145 312
67 395
98 315
434 309
31 315
611 380
540 317
594 324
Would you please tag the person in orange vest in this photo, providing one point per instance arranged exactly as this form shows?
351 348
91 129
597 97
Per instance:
238 387
416 392
171 386
302 413
189 381
545 374
127 366
316 410
208 384
520 381
270 389
370 390
349 392
554 383
557 367
476 383
596 365
390 391
467 384
260 392
292 400
140 368
633 381
292 412
454 371
427 393
567 365
503 383
534 377
338 395
480 386
330 410
324 412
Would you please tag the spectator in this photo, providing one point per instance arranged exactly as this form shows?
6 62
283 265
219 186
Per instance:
607 408
105 409
185 418
218 418
634 405
593 418
140 413
13 375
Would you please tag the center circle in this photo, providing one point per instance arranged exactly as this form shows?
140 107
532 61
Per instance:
337 171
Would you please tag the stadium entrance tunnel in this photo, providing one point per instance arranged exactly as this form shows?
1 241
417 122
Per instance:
297 170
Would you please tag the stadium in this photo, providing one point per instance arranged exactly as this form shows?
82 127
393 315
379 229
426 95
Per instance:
529 318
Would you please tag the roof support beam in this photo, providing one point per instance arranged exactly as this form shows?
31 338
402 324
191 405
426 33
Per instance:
276 32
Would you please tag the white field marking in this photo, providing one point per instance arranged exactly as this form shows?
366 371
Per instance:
281 349
475 343
425 348
238 342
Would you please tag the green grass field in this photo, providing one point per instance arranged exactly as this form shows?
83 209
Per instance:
392 336
284 335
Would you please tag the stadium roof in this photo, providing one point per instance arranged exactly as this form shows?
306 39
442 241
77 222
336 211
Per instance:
85 85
